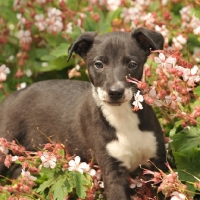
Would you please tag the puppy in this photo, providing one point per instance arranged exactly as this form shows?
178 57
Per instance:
95 119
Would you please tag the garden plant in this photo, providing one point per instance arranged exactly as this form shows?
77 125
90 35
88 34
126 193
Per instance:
34 40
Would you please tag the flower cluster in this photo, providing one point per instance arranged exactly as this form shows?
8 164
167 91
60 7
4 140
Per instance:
52 156
172 88
170 185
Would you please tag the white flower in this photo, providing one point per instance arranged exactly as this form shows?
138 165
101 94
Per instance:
164 2
164 31
40 23
172 103
27 175
185 13
28 73
21 86
191 75
24 36
155 97
179 41
10 58
138 99
101 184
3 148
195 24
54 21
17 4
76 165
130 14
44 64
69 28
196 54
21 19
48 160
177 196
90 171
41 1
135 183
113 4
14 158
3 72
165 62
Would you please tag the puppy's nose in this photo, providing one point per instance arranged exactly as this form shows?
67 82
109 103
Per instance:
116 92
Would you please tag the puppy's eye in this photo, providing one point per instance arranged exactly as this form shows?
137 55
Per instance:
98 64
132 65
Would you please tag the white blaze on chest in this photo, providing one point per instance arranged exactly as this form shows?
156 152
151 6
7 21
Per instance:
133 146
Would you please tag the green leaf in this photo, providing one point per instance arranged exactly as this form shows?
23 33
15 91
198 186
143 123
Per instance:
40 52
47 58
61 50
59 189
57 64
49 173
197 90
78 180
4 195
44 185
185 140
188 164
54 40
90 24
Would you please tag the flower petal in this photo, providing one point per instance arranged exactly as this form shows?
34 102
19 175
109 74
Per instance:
72 163
77 160
162 56
83 166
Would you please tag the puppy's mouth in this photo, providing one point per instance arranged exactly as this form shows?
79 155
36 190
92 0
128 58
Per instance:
114 103
102 96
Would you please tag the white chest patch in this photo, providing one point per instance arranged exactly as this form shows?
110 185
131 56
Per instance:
133 147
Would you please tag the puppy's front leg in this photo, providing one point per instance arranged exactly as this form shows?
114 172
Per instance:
115 178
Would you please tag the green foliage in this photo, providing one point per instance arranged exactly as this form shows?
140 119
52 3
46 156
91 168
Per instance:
61 184
186 151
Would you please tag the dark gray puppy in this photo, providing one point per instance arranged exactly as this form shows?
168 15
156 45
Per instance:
94 118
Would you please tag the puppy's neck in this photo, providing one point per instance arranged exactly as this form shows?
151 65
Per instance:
114 114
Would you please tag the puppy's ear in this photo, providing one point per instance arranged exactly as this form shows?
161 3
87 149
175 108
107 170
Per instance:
82 44
148 39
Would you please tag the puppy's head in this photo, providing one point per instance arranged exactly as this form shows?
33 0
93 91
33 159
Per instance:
111 57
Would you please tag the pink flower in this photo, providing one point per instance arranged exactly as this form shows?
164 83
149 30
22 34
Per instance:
8 161
177 196
3 72
48 160
76 165
138 99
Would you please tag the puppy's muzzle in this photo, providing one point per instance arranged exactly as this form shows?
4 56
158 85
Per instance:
116 93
